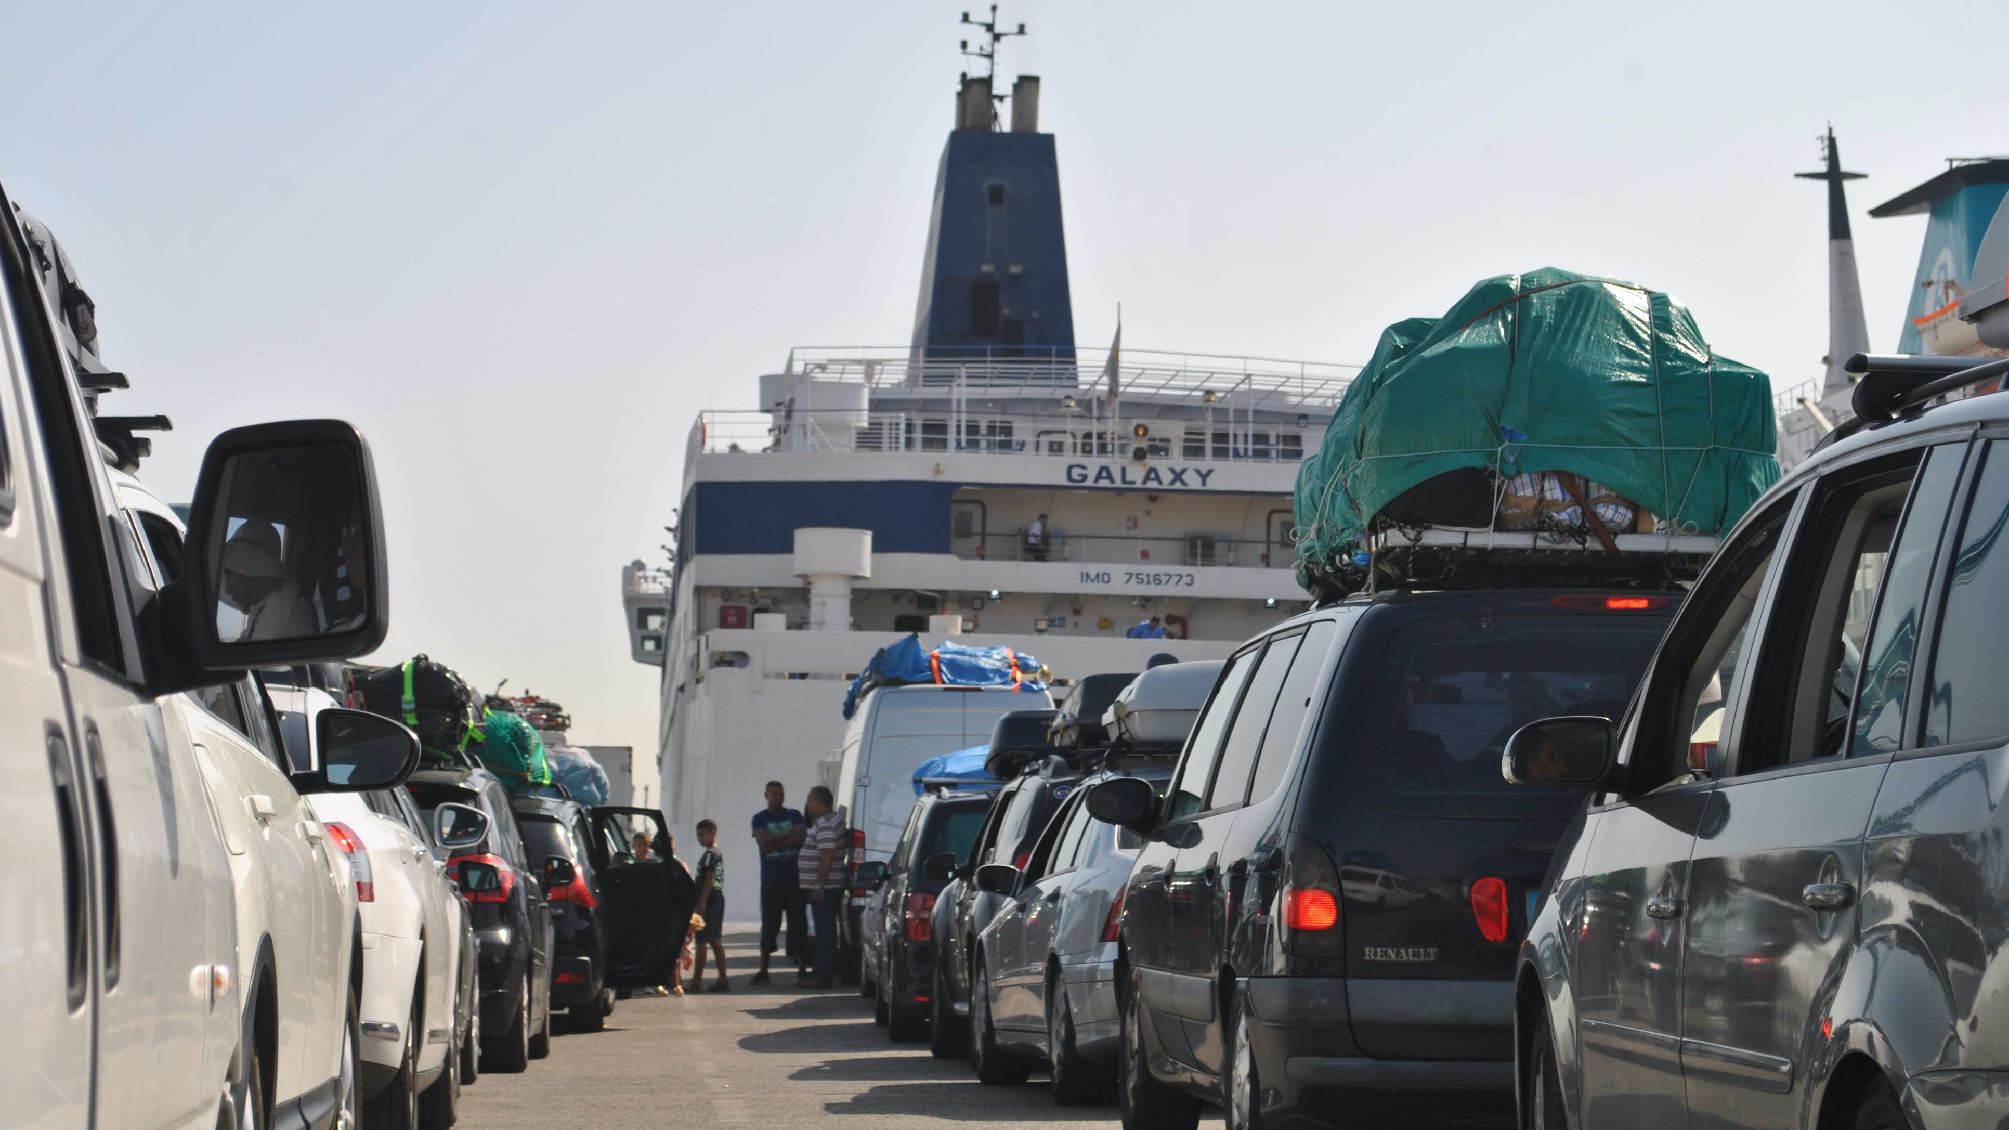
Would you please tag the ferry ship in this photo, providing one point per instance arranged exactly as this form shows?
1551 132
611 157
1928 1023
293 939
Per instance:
989 482
1958 304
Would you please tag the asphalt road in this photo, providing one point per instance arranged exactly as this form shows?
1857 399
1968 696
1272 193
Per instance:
773 1057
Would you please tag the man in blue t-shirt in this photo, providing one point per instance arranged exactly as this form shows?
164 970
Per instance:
780 830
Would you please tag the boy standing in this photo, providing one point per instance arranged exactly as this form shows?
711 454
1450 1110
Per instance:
711 900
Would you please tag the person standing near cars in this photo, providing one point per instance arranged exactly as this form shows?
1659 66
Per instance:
780 830
821 866
711 897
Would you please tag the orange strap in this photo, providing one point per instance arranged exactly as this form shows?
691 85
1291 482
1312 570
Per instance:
1016 677
935 663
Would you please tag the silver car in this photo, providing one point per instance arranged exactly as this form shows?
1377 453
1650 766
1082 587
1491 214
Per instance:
1058 932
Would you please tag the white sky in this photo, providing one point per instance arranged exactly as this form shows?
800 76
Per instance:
522 244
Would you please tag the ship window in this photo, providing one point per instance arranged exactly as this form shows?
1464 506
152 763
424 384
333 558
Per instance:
1222 449
985 312
1195 445
1263 445
987 435
1290 447
994 193
934 435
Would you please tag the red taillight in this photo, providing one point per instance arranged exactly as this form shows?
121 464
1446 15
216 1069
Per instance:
857 842
351 844
1019 860
575 892
1111 924
490 880
1584 602
1310 908
1699 755
571 978
1489 907
919 917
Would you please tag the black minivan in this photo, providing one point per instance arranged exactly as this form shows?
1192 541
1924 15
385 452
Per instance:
1325 913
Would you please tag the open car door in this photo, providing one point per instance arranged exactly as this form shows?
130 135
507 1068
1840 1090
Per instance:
648 903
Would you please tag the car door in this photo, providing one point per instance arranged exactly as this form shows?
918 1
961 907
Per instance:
958 954
1627 922
648 903
1777 866
443 911
1007 947
1042 903
1172 885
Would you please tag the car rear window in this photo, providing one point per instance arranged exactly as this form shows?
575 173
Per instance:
952 830
432 794
1453 689
543 837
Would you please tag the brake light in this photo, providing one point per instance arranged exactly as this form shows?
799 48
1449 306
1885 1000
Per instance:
857 841
575 892
570 977
919 917
351 844
1310 908
485 878
1019 860
1584 602
1699 756
1489 907
1111 924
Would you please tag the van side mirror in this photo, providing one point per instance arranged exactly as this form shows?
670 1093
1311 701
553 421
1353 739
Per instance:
940 868
458 826
1127 802
1572 752
361 752
285 549
871 875
998 878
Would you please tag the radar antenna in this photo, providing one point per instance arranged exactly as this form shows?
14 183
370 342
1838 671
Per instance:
987 50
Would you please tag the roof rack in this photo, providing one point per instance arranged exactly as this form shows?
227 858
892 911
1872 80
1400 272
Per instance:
1890 385
960 785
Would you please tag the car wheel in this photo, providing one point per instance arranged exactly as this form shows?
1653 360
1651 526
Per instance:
439 1107
947 1039
1076 1082
511 1052
882 1010
588 1017
1880 1111
1545 1085
1241 1099
1143 1102
904 1024
396 1107
245 1109
540 1044
995 1068
470 1048
348 1094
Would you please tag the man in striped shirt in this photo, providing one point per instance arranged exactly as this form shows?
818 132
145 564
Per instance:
821 868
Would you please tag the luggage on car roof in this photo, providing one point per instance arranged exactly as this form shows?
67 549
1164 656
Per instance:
1158 707
426 695
512 751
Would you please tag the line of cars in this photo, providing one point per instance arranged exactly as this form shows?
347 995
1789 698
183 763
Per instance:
1728 853
229 902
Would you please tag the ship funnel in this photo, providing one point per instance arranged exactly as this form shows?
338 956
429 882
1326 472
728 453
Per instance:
973 103
1025 104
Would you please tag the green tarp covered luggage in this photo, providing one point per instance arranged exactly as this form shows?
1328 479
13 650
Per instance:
512 750
1534 390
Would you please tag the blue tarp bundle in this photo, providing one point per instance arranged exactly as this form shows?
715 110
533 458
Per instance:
962 765
581 775
950 665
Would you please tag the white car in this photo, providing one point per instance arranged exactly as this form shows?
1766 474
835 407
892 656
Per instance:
412 919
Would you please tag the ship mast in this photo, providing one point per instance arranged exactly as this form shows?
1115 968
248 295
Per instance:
1848 332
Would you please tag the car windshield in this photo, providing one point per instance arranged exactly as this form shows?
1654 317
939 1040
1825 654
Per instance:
953 831
543 837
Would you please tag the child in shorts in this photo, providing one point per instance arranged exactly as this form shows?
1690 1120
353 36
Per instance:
711 906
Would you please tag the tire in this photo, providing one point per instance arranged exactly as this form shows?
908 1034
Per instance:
995 1067
540 1044
510 1051
247 1110
396 1107
439 1106
470 1047
1075 1081
1241 1085
591 1016
850 963
1880 1111
1141 1100
348 1092
947 1039
1545 1086
882 1010
904 1024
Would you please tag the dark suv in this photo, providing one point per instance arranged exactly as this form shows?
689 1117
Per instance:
1011 826
898 957
512 923
1784 905
557 831
1264 961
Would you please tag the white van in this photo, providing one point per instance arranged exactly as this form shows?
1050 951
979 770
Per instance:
893 732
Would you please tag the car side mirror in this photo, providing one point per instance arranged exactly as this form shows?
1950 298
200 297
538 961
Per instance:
558 871
1127 802
459 826
871 875
1573 752
477 878
940 868
998 878
285 549
361 752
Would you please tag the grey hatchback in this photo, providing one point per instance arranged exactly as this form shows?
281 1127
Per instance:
1784 904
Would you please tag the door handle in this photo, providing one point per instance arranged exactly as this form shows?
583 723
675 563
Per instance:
1827 897
262 808
311 831
1664 906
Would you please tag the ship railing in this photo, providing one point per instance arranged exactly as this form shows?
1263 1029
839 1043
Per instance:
1254 382
1791 400
1189 551
1060 432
